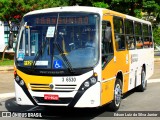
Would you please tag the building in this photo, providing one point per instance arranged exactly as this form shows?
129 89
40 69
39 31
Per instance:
2 41
4 35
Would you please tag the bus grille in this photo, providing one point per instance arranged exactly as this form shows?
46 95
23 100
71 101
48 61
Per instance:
65 87
57 88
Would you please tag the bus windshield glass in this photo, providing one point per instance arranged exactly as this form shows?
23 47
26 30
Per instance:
58 40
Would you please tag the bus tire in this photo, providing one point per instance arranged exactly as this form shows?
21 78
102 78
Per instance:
115 104
143 85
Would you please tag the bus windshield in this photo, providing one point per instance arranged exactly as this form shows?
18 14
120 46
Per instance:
58 40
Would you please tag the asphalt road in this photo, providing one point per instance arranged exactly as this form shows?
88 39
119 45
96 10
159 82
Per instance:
132 101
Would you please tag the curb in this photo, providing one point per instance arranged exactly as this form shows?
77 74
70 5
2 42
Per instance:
7 95
156 59
6 68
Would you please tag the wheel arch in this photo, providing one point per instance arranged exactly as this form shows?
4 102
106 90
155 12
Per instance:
144 67
120 76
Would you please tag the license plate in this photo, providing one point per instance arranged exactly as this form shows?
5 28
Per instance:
51 97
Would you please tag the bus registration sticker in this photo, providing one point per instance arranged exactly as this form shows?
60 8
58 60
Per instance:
21 55
51 97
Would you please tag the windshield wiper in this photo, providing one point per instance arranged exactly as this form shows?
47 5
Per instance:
69 66
60 49
39 52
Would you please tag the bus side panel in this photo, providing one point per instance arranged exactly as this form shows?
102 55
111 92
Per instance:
119 63
108 80
125 82
107 91
138 58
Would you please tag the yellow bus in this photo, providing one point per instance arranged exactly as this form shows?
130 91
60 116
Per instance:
81 57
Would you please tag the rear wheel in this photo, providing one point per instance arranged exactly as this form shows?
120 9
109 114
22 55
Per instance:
143 85
115 104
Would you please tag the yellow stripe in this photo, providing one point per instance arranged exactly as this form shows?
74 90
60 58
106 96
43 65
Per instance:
40 89
31 79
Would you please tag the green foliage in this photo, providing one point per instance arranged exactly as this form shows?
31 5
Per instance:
156 35
150 6
11 9
138 13
51 3
15 9
100 4
6 62
130 7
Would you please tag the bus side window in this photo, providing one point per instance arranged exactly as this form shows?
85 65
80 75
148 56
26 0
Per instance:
107 45
150 36
119 33
129 34
146 41
138 35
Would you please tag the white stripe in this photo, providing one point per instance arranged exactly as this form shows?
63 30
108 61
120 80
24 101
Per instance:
126 73
113 77
108 79
153 80
7 95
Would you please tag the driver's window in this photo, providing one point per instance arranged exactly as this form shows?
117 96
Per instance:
107 45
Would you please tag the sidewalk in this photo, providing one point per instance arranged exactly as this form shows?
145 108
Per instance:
6 68
157 59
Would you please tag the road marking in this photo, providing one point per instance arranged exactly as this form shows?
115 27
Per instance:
153 80
8 95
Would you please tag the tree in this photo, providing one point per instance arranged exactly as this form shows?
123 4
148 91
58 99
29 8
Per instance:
130 7
9 13
12 11
151 10
145 9
156 35
100 4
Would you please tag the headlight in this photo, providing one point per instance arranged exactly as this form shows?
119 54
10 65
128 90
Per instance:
93 80
17 78
89 82
21 83
86 84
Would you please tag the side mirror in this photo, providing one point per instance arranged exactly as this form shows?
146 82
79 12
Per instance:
11 39
108 34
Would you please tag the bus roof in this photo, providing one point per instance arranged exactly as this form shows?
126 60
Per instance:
84 9
68 9
137 19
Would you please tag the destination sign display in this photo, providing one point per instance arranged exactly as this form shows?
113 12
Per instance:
62 20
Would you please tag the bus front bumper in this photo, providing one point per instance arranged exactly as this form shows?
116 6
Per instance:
79 99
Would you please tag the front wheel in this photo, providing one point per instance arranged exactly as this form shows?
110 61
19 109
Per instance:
115 104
